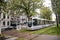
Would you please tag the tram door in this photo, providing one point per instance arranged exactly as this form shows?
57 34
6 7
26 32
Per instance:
35 22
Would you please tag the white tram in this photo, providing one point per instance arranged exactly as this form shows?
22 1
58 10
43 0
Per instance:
37 23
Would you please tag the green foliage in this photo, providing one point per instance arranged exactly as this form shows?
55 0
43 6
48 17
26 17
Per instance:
14 4
3 6
14 7
45 13
27 6
56 10
31 14
2 2
55 5
2 35
51 30
20 39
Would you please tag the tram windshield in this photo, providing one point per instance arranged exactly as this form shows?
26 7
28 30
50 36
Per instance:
29 23
32 23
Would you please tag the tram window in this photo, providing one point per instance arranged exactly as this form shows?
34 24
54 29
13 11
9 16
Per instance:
41 22
38 22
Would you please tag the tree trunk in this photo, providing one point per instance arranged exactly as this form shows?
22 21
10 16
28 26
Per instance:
54 6
57 23
0 29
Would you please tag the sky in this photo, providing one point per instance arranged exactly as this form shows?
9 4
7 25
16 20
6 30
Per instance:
47 3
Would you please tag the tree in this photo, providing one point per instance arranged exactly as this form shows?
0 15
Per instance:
29 6
45 13
14 7
2 5
26 6
56 9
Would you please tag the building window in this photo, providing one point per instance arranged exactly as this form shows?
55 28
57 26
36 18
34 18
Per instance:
11 18
8 23
4 23
4 16
8 16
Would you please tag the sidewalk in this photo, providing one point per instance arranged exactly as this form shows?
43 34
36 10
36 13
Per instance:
11 38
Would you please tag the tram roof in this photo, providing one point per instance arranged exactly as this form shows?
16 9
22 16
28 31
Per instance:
38 18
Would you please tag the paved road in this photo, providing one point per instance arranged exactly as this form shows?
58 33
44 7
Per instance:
47 37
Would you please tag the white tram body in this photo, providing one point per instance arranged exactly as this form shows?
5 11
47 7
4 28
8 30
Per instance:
38 23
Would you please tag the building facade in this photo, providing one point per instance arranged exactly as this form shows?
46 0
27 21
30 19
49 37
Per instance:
8 21
5 20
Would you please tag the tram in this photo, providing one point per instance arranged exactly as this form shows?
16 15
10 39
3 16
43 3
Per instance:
37 23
